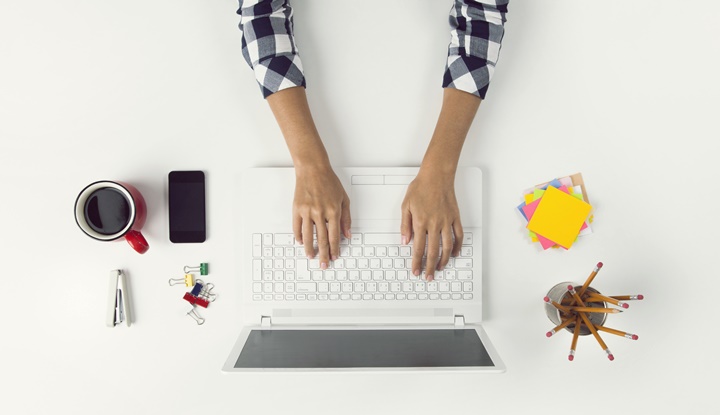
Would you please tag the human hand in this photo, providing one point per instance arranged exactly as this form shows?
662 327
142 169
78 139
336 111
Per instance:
430 213
320 200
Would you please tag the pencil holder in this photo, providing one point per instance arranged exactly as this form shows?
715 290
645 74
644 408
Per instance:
561 295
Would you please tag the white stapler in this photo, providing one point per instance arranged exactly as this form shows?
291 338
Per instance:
118 300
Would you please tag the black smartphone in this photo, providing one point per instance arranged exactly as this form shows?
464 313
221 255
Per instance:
186 205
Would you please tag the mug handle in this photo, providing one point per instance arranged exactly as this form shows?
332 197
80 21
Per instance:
137 241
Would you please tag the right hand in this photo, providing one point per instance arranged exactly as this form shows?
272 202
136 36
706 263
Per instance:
320 200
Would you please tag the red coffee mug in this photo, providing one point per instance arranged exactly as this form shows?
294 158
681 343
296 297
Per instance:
107 211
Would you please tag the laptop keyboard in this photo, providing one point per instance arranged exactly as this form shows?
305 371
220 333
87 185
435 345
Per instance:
371 267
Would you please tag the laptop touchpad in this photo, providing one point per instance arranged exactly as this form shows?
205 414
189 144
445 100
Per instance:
373 202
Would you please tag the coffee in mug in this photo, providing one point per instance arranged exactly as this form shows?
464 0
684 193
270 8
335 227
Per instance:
108 211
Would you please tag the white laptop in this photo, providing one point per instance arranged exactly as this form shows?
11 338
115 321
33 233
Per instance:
366 311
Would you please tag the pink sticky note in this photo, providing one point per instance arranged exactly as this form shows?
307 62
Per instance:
529 209
545 242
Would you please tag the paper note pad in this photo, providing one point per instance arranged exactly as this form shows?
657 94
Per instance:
559 217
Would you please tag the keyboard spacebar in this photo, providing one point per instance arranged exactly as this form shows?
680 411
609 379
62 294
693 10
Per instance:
382 238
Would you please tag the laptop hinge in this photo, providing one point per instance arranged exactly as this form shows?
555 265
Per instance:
265 321
459 321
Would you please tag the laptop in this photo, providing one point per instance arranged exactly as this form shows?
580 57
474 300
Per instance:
366 311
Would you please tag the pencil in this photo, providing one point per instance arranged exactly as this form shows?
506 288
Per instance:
590 278
628 297
575 295
558 306
559 327
618 332
597 336
595 310
576 334
599 297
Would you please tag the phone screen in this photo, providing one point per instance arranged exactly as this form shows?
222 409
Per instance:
187 206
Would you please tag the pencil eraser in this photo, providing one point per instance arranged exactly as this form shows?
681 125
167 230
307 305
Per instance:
634 336
611 357
548 334
546 299
599 264
571 357
626 305
640 296
569 287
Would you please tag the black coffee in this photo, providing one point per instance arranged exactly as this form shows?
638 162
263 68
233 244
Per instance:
107 211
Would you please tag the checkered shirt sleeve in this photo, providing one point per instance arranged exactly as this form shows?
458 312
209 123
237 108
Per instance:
268 44
475 37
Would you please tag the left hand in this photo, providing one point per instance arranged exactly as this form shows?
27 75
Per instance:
430 213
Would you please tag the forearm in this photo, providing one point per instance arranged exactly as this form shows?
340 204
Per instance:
456 117
292 113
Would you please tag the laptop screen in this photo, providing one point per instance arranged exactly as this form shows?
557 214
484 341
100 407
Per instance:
363 348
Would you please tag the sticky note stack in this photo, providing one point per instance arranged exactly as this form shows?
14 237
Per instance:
557 212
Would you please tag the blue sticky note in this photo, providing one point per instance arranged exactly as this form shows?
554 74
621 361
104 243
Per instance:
520 208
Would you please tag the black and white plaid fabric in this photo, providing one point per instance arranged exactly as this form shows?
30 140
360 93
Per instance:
268 44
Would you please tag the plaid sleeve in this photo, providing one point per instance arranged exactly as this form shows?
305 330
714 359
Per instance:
475 37
268 44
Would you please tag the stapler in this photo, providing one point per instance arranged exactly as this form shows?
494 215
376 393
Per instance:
118 300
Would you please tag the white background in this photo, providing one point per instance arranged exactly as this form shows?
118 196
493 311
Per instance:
625 92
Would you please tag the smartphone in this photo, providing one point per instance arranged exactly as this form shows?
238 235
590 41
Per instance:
186 206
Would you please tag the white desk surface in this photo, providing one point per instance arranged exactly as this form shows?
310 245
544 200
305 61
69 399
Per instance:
626 93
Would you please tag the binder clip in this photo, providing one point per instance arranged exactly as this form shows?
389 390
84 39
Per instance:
189 280
195 316
196 300
197 289
206 294
202 269
118 300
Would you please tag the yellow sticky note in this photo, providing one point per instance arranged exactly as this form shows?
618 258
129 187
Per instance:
559 217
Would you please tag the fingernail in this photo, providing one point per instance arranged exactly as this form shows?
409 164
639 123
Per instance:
323 265
416 272
349 234
404 240
334 257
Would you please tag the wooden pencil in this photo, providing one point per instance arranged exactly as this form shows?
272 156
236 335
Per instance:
560 307
560 326
576 296
595 310
617 332
599 297
576 334
590 278
628 297
594 332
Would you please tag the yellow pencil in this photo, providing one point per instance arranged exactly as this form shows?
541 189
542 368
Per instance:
576 334
558 306
559 327
628 297
599 297
590 278
599 339
595 310
618 332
